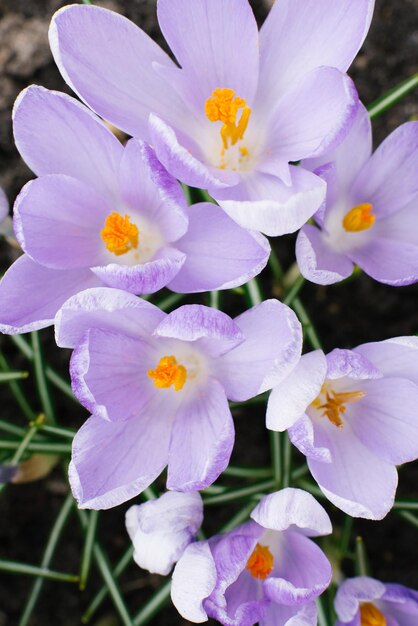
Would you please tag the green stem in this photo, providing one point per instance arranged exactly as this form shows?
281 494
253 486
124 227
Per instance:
294 290
276 457
276 266
171 300
406 505
65 433
31 570
237 494
16 390
40 378
287 461
154 605
308 327
107 574
8 376
43 447
361 558
214 299
409 517
88 548
253 292
239 518
392 97
248 472
54 537
12 429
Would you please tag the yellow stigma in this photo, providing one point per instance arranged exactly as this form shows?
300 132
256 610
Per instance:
334 407
223 107
360 217
119 234
168 372
261 562
371 616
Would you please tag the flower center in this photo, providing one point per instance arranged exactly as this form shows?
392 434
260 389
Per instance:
223 107
168 372
261 562
360 218
119 234
371 616
334 406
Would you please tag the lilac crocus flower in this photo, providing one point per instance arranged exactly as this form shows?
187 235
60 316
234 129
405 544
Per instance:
370 214
266 571
161 529
157 386
354 414
239 106
102 214
364 601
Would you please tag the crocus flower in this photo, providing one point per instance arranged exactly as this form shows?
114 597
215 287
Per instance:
354 414
238 107
266 571
364 601
161 529
370 214
157 386
102 214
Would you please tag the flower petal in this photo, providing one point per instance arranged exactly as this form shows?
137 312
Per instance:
354 591
108 309
203 433
143 278
301 35
219 253
301 434
111 387
161 529
350 363
150 190
289 400
194 578
58 220
292 509
374 256
31 294
114 461
394 357
386 419
356 481
317 261
215 42
55 134
263 202
272 347
108 62
303 573
281 615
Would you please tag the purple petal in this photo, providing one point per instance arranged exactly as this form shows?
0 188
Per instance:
108 62
219 253
144 278
194 578
314 116
203 433
76 143
58 220
302 436
401 604
394 357
161 529
108 309
292 509
151 191
317 260
388 261
214 331
110 387
289 400
272 347
31 294
354 591
302 574
385 420
281 615
186 162
263 202
350 363
216 44
114 461
301 35
388 180
356 481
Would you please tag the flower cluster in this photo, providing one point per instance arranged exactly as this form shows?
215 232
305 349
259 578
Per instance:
270 125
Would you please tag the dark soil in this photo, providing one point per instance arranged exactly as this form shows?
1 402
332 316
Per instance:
345 315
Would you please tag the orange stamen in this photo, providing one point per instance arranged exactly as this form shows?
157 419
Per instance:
360 218
371 616
261 562
168 372
119 234
223 107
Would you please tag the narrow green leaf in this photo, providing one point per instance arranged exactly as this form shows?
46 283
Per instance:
17 391
88 548
154 605
5 377
40 378
237 494
31 570
393 96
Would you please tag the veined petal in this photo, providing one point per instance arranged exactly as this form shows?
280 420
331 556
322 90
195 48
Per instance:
108 62
272 347
317 261
394 357
281 615
342 363
31 294
216 44
108 309
352 592
219 253
56 134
